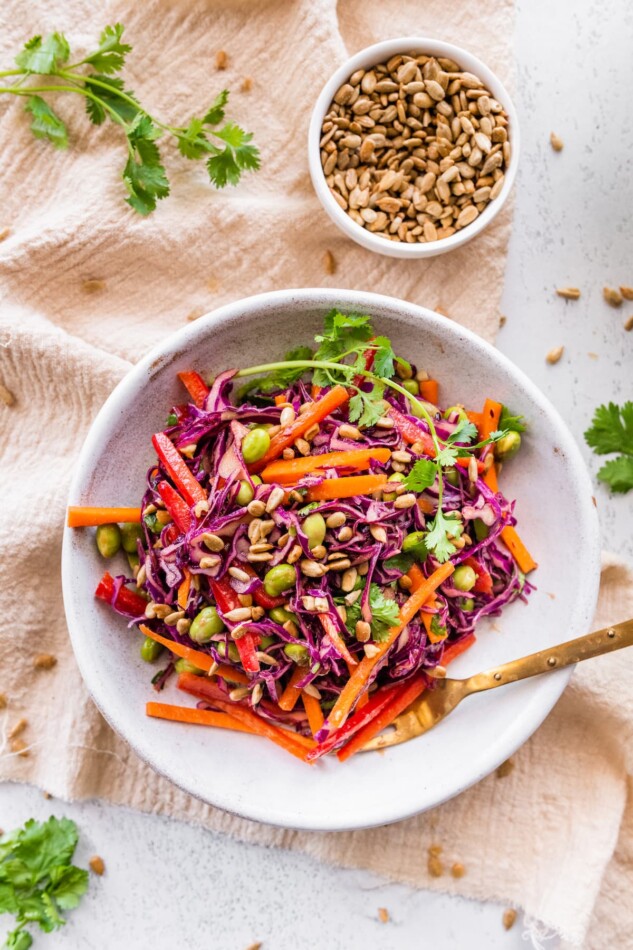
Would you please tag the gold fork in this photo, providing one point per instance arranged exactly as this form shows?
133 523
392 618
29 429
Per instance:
436 703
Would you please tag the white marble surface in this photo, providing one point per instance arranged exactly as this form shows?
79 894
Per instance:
572 227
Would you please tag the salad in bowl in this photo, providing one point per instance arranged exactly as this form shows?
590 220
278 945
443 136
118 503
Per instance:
316 540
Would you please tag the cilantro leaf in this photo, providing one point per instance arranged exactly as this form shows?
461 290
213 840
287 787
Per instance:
110 55
511 423
226 165
144 173
438 541
439 631
342 332
384 614
68 885
97 111
44 56
216 112
280 378
46 124
18 940
618 473
42 846
611 429
447 455
192 142
421 476
465 432
384 357
365 409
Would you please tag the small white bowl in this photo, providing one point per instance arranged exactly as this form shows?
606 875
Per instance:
380 53
244 774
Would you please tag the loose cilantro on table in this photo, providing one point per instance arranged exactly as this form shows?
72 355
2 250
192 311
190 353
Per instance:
227 148
612 431
384 614
346 348
37 879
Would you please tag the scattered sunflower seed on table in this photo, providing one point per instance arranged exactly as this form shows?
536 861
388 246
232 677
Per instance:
414 149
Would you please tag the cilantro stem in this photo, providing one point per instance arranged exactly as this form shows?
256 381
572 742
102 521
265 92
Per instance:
30 90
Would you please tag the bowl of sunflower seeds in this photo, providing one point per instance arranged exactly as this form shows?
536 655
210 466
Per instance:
413 147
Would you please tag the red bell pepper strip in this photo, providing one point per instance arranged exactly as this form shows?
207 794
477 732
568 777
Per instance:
411 432
403 697
380 699
227 599
126 600
176 506
190 489
195 386
453 650
465 462
483 584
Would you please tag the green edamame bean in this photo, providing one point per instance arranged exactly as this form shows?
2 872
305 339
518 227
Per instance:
461 413
150 650
298 653
507 447
280 578
411 386
403 369
418 405
314 527
245 495
184 666
464 578
468 604
481 529
255 444
130 534
452 477
266 642
281 615
396 477
205 625
108 539
232 652
412 540
133 560
256 480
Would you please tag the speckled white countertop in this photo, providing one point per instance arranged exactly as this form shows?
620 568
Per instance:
170 886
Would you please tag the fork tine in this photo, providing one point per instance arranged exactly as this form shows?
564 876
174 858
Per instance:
404 727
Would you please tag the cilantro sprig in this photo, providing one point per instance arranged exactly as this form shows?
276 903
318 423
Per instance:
227 149
37 878
384 614
612 431
346 348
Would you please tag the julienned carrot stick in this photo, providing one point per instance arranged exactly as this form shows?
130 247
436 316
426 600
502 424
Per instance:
490 417
416 577
288 472
80 516
232 675
280 399
490 478
403 698
184 588
453 650
316 412
291 694
202 660
361 675
475 418
346 487
518 550
429 390
336 640
298 746
200 717
313 711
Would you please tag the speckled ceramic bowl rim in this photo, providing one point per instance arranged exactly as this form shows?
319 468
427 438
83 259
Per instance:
378 53
118 404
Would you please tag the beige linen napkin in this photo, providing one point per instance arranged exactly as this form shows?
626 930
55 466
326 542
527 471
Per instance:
88 286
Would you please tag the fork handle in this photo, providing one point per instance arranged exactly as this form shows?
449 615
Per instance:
611 638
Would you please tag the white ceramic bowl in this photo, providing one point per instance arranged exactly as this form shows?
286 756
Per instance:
380 53
249 776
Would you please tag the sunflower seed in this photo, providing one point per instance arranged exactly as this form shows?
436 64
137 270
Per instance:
554 355
569 293
336 519
239 574
612 297
556 142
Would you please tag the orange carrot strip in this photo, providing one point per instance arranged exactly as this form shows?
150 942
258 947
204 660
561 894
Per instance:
490 417
184 588
280 399
426 506
231 674
83 517
453 650
416 577
313 710
299 746
202 660
518 550
429 390
346 487
291 694
315 391
336 640
316 413
403 698
361 674
490 478
200 717
475 418
288 472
